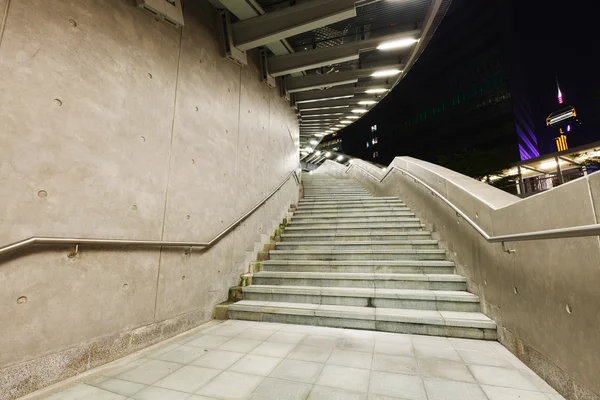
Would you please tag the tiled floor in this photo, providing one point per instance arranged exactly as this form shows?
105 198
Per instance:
262 361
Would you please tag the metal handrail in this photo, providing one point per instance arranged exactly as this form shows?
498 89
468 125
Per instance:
140 243
559 233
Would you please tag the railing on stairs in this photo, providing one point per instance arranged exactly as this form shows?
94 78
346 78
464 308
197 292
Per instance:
560 233
36 240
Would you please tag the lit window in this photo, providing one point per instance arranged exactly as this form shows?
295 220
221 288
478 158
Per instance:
374 141
374 128
375 154
368 145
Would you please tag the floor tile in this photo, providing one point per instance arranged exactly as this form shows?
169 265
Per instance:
358 334
125 367
395 364
231 385
85 392
502 393
470 344
218 359
150 372
445 370
393 337
394 349
239 324
327 393
539 383
381 397
256 334
347 358
298 371
484 358
397 385
352 379
198 397
275 389
183 354
255 365
163 349
306 329
156 393
310 353
436 353
119 386
320 341
431 341
504 377
287 337
230 331
209 341
240 345
270 326
273 349
188 378
365 345
441 389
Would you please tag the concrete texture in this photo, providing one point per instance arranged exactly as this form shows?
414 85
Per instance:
265 361
543 297
114 125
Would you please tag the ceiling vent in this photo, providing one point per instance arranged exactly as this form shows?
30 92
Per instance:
167 10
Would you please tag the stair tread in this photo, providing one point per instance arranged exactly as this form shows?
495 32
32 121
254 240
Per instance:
447 318
358 242
363 262
360 251
422 294
362 276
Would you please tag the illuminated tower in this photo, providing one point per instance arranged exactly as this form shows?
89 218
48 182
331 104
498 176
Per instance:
564 120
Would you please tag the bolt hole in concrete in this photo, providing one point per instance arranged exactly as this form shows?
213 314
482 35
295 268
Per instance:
73 23
58 102
183 278
193 161
149 75
134 207
197 108
476 215
42 194
569 309
125 286
485 281
22 300
515 290
188 216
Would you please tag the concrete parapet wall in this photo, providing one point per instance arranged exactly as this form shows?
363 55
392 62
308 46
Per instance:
114 125
545 296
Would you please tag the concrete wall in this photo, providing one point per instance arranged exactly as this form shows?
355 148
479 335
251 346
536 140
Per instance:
115 125
544 297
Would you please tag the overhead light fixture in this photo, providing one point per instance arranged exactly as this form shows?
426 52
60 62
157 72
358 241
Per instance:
309 149
328 154
397 44
367 102
345 121
329 131
318 153
319 134
314 142
353 117
341 126
385 72
384 169
326 98
375 91
359 111
323 108
340 158
304 153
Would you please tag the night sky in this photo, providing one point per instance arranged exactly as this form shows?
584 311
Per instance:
534 43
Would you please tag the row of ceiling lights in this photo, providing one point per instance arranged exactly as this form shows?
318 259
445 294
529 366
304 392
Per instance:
347 120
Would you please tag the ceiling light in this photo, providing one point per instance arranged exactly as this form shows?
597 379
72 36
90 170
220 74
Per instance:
367 102
345 121
385 72
328 154
340 158
304 153
318 153
359 111
326 98
396 44
341 126
374 91
314 142
329 131
319 134
353 117
384 169
309 149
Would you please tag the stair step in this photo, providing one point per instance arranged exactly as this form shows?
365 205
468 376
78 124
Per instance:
423 322
358 245
366 228
336 208
355 235
361 266
369 199
441 300
349 220
314 211
363 280
350 215
366 254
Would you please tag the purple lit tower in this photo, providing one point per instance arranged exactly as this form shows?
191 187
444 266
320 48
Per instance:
524 126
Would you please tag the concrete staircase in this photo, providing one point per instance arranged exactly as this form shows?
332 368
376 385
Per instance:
351 260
